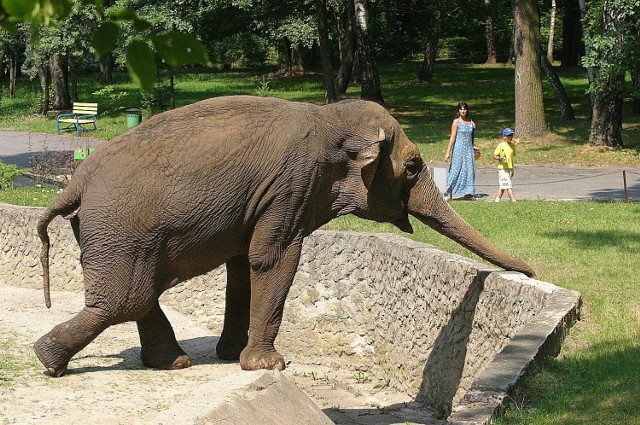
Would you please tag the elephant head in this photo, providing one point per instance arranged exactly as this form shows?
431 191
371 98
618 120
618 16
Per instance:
398 183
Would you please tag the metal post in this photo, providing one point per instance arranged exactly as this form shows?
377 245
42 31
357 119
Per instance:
624 179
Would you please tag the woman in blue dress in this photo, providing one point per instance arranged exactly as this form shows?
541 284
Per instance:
462 170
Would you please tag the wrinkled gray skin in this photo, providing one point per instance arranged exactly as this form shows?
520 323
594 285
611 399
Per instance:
236 180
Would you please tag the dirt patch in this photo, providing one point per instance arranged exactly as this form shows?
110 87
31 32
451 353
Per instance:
108 381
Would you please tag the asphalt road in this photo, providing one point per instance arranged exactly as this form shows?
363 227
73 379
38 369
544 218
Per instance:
530 181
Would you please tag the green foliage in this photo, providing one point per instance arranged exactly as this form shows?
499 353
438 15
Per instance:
174 47
158 100
614 41
263 88
8 173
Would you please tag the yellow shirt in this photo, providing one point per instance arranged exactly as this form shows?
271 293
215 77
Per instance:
505 150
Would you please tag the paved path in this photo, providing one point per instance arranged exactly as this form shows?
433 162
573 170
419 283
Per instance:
530 181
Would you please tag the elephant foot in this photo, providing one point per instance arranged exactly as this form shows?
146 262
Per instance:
229 348
165 360
52 355
253 359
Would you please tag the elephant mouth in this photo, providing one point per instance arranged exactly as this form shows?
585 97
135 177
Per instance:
403 223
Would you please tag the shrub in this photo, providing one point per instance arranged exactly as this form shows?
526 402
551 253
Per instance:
8 173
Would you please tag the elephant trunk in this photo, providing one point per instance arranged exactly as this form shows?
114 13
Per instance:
427 204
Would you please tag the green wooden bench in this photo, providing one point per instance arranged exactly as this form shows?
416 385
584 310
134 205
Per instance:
82 118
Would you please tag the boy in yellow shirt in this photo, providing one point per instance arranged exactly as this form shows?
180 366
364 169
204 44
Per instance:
504 153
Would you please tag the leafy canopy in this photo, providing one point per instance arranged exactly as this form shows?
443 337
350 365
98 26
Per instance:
174 47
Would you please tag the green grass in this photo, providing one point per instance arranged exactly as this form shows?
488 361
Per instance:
35 196
590 247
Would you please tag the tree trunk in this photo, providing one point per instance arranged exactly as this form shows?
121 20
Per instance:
13 70
73 83
530 120
431 50
59 75
45 77
558 90
107 62
587 49
285 62
297 61
325 52
635 75
492 56
606 122
172 87
552 29
572 45
347 46
635 85
369 77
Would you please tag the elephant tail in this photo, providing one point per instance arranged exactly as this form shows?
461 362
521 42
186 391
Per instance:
66 204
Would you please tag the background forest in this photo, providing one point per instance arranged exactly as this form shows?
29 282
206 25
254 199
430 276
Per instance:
343 40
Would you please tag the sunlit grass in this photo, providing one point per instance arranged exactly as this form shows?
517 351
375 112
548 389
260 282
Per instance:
36 196
593 248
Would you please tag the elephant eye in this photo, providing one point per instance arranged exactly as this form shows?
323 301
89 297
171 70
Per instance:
412 168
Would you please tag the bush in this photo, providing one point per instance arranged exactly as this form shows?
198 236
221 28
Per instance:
8 174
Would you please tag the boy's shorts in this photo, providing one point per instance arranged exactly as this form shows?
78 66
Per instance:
504 178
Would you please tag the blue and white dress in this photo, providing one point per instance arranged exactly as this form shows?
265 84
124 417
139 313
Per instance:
462 170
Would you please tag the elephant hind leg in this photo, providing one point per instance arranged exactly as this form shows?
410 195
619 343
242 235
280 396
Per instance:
160 349
57 347
234 335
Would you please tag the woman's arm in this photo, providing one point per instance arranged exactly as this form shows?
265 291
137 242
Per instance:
452 139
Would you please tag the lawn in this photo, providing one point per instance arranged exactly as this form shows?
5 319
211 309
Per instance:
590 247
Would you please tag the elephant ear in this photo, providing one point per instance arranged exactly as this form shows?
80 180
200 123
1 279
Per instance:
367 154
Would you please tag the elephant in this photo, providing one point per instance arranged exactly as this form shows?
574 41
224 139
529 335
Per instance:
235 180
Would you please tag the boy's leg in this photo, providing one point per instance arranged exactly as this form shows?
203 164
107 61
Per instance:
499 194
511 195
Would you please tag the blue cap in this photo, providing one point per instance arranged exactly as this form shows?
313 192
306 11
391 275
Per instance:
507 131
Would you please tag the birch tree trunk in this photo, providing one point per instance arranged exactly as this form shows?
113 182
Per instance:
552 28
369 77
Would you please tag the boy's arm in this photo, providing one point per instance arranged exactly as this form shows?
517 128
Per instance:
496 153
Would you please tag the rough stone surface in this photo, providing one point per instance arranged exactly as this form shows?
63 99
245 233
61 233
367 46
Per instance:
448 332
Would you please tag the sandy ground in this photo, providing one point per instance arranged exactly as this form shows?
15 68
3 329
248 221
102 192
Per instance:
106 382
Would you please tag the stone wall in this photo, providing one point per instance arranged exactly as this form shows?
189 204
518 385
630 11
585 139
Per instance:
425 321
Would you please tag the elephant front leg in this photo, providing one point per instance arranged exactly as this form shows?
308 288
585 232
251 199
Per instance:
269 289
235 335
160 349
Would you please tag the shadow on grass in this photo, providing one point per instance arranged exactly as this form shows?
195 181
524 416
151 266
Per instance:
600 389
584 239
